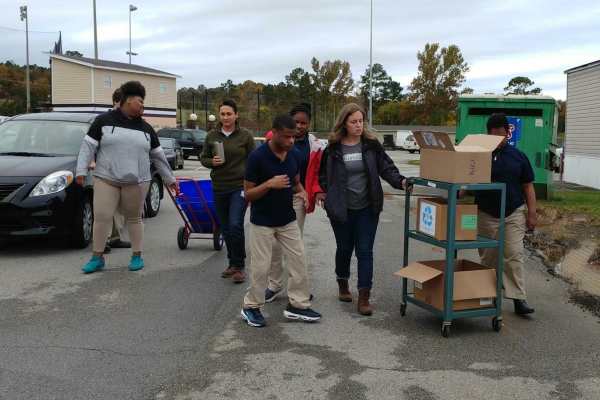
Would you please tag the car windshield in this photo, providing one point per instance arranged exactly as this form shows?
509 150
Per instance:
199 135
410 137
42 137
166 143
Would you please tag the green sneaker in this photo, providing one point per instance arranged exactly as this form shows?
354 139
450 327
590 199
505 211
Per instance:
94 265
136 263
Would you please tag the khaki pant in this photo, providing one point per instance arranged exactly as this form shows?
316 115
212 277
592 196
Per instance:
261 244
117 223
276 269
115 227
513 273
107 195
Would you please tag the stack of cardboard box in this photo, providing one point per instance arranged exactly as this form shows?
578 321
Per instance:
475 285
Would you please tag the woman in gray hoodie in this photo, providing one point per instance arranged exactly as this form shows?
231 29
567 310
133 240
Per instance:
123 144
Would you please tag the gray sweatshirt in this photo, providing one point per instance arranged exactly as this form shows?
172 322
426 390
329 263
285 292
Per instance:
123 149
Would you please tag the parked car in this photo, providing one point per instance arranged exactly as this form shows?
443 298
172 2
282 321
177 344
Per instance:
190 140
173 152
38 195
411 144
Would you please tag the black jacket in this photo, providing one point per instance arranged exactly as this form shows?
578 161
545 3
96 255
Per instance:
333 180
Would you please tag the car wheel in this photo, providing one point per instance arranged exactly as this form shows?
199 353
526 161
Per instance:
186 157
174 165
411 151
81 230
199 155
181 166
153 199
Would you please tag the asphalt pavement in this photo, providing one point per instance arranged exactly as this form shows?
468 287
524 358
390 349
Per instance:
174 330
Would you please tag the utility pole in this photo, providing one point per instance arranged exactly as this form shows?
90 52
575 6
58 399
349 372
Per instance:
206 105
24 17
193 100
258 97
95 34
371 71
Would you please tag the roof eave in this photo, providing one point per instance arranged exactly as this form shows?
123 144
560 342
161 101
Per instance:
58 56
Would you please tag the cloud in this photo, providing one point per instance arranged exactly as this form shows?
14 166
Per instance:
211 41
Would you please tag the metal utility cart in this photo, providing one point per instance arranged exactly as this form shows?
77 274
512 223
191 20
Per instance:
451 248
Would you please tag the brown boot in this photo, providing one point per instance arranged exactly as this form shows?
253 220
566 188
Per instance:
345 294
239 276
228 273
363 302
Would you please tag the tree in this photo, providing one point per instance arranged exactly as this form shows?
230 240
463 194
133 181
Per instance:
73 53
520 85
441 73
301 80
389 114
561 115
467 90
384 88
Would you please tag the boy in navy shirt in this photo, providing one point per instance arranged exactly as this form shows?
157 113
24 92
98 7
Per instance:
270 169
512 167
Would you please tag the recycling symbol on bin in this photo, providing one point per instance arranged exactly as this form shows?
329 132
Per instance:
427 217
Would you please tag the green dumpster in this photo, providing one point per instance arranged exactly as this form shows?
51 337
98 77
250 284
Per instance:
533 124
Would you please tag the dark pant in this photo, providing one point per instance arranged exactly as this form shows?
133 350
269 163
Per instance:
231 207
358 235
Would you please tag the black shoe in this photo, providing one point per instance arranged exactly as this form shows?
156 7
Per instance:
119 244
522 308
106 248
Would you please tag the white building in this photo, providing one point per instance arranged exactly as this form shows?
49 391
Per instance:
582 131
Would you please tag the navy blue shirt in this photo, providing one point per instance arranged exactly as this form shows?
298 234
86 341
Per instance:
511 166
275 208
303 146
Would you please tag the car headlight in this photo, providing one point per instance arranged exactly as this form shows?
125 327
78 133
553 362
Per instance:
53 183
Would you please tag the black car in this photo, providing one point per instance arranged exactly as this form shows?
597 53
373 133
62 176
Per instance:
38 195
173 152
190 140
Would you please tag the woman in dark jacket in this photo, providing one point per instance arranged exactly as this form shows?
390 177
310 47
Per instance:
353 197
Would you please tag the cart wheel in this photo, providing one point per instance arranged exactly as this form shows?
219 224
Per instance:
496 324
403 309
218 239
446 331
182 241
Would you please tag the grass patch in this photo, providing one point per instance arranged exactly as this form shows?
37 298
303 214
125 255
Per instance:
415 162
581 202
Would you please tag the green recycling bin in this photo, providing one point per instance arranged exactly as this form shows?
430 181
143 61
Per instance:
533 122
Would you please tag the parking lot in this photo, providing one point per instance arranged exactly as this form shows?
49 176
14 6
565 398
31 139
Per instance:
173 330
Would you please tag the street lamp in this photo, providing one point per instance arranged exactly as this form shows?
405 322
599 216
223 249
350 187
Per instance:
24 17
131 9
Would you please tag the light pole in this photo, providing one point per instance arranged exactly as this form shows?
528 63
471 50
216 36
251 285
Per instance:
131 9
371 71
95 34
24 17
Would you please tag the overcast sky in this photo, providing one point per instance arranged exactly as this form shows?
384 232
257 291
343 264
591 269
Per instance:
208 41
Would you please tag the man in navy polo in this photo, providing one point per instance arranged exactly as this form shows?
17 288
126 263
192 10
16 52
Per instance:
270 169
512 167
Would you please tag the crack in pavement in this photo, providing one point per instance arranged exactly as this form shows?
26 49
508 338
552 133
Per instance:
99 350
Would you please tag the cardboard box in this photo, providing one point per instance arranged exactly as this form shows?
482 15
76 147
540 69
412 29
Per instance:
432 219
475 285
469 162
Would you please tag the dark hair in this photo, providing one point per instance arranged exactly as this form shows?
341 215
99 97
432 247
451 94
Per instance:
283 121
497 120
117 96
132 89
229 103
301 108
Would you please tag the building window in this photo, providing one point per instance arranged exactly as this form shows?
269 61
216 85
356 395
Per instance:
163 87
107 81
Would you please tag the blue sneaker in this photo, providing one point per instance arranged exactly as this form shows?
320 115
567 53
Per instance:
306 314
136 263
270 295
253 317
94 265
